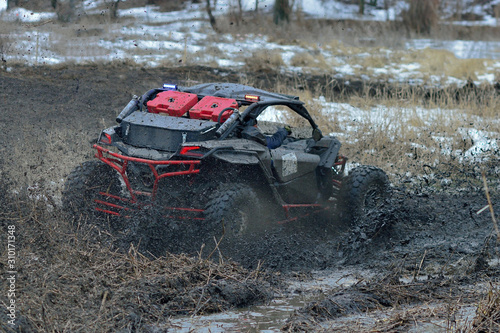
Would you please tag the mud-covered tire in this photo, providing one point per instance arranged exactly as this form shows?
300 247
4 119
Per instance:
236 207
82 187
364 191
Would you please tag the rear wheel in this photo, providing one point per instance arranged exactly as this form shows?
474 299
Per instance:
237 208
363 192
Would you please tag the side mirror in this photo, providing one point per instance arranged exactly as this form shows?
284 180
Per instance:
317 135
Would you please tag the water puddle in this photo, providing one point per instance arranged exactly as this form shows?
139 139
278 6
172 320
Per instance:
271 317
429 317
263 318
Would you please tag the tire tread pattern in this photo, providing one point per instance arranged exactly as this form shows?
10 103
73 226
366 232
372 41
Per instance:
226 199
354 188
81 185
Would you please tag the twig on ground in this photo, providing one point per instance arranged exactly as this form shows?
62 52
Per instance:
419 266
491 206
217 243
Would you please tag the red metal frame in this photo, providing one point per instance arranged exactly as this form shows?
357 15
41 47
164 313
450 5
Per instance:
120 162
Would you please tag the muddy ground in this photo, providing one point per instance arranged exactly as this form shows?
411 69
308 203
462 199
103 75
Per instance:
48 119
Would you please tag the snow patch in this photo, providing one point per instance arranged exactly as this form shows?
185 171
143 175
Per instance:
24 15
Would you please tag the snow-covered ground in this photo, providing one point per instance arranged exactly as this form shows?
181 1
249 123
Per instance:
150 37
153 38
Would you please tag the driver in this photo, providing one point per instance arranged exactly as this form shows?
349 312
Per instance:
253 132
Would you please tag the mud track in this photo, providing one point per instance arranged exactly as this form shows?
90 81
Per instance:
50 116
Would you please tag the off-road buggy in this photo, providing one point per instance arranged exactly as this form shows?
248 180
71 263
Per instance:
185 153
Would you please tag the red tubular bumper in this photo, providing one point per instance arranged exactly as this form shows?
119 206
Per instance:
119 162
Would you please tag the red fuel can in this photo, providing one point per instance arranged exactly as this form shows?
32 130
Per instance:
210 107
173 103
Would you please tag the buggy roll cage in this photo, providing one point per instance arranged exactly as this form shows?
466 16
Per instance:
239 92
255 109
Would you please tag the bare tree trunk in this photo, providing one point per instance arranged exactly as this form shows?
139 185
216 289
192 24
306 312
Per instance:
114 9
240 11
281 11
213 23
256 6
458 10
12 3
496 11
361 7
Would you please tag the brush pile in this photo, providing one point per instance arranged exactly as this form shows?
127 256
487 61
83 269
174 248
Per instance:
487 317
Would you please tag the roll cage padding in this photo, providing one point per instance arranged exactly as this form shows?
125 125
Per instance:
148 96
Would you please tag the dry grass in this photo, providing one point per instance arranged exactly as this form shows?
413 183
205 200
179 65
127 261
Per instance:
264 60
487 317
366 47
313 60
442 62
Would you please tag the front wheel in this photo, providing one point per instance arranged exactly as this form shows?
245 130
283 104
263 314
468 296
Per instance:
363 192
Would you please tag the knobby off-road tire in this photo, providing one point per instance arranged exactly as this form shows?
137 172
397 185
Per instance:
364 190
236 207
82 187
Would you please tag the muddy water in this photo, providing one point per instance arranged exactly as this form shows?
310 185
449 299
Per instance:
271 317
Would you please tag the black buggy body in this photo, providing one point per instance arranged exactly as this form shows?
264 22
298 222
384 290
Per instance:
188 152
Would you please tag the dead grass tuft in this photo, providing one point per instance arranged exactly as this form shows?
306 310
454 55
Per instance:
264 60
422 16
487 317
444 63
311 59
